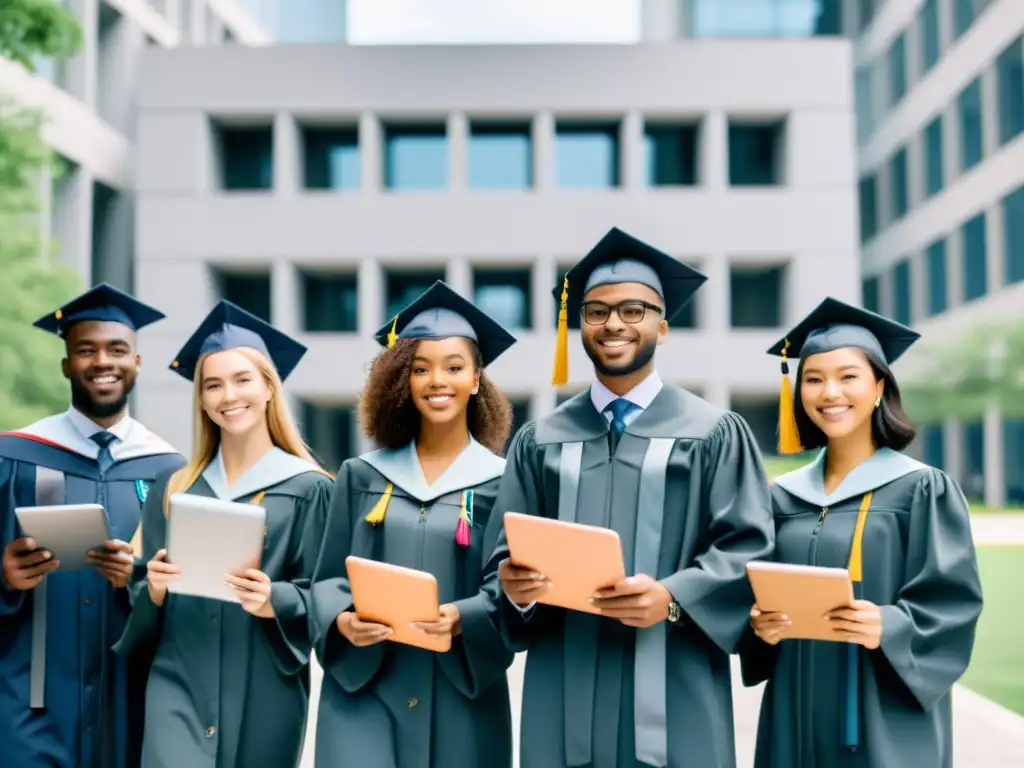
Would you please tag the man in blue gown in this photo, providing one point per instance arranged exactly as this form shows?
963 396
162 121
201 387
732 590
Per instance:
66 701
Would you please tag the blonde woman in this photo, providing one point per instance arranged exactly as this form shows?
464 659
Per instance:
229 684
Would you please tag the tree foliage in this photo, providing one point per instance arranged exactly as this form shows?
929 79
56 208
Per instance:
33 283
981 369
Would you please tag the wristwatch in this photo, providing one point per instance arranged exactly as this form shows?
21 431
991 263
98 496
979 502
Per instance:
674 611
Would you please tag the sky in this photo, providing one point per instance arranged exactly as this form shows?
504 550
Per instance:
492 21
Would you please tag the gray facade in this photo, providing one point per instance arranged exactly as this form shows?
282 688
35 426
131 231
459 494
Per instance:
790 232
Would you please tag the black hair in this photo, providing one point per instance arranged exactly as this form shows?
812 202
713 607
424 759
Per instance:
891 427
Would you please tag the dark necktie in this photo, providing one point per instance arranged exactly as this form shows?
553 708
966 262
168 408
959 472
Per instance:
619 409
104 440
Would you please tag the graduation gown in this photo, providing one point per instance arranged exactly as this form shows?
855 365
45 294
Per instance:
687 493
391 705
226 688
917 561
89 715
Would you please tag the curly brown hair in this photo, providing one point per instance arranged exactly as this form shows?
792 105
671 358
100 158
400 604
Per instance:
388 414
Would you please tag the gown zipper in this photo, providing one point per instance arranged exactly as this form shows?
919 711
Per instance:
421 538
807 718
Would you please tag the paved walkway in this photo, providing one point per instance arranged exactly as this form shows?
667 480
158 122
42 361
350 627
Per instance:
985 734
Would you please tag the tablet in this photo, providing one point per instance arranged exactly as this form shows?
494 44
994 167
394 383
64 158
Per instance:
66 530
208 538
577 559
396 597
805 593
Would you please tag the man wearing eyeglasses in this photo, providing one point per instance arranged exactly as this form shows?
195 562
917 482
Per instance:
682 483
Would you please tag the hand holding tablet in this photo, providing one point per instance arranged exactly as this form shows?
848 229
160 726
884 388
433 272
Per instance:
804 594
576 560
66 531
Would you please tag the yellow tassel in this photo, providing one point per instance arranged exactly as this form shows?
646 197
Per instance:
393 334
376 516
560 374
856 562
789 436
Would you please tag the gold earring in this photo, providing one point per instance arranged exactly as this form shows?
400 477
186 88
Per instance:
878 401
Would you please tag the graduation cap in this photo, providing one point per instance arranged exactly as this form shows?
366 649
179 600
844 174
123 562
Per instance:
102 303
621 258
440 313
228 326
834 325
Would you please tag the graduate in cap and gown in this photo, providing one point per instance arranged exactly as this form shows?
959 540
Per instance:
422 501
902 528
229 685
647 682
66 701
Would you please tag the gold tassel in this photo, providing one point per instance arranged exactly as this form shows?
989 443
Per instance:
393 334
855 565
560 375
376 516
789 435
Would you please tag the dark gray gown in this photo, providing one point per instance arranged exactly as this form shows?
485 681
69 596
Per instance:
227 689
391 705
919 565
687 493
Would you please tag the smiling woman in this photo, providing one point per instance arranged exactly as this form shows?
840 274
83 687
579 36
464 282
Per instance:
421 501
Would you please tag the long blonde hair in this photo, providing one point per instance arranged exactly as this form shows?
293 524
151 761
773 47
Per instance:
206 435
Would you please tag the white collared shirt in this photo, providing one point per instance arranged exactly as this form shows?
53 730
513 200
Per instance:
87 427
642 395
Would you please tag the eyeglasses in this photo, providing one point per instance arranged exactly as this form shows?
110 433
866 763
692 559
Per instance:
631 312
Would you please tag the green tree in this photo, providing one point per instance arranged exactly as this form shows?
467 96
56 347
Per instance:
33 283
965 376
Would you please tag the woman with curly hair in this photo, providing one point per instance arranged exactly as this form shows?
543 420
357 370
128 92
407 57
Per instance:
421 501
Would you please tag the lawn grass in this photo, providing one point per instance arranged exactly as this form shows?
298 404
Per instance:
997 666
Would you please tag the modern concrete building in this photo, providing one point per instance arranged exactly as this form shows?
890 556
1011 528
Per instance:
89 105
940 118
324 186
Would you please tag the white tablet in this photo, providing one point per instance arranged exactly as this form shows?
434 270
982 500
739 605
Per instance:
66 530
208 538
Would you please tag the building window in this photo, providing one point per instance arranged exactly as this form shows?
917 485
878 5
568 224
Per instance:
756 296
1010 90
763 18
864 96
249 290
761 412
330 302
330 431
671 154
246 155
563 397
938 283
520 415
1013 229
687 316
867 194
975 269
415 157
505 295
901 312
500 156
933 176
897 61
965 13
899 200
870 293
331 158
865 11
933 444
756 153
969 109
929 28
1013 460
403 286
974 460
587 155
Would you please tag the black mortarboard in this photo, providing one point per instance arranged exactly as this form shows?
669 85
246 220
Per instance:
229 327
102 303
440 313
621 258
833 325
